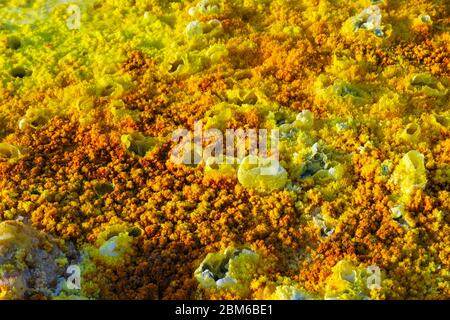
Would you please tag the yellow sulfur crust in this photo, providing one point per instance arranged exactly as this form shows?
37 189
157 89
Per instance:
359 91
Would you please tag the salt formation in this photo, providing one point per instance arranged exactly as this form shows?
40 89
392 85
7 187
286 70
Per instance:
369 19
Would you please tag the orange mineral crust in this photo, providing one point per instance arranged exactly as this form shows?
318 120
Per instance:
357 204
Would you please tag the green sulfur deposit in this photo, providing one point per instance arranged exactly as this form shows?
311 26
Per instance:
262 174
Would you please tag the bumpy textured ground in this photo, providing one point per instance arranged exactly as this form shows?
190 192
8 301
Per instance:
358 89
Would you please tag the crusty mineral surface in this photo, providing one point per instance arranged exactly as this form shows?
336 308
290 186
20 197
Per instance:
28 262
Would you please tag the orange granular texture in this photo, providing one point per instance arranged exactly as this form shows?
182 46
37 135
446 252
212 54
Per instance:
186 215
